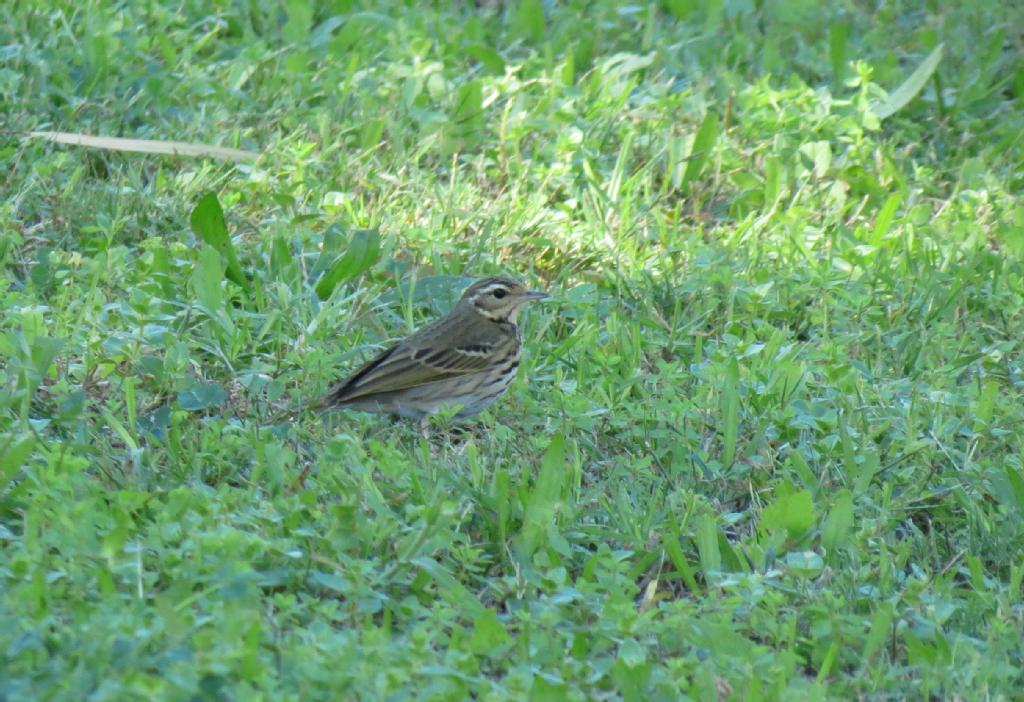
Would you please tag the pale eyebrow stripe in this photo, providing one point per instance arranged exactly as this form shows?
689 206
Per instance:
492 286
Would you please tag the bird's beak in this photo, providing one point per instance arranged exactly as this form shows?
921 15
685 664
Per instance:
535 295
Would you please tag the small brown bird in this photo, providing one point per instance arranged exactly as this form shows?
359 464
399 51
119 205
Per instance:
467 358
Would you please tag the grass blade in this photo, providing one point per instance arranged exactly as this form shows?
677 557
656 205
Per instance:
706 538
449 587
909 89
362 252
703 142
730 412
886 216
542 503
208 223
147 146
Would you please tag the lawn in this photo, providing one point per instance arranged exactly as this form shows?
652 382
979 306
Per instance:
765 442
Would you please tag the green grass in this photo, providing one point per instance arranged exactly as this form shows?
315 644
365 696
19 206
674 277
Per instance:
766 439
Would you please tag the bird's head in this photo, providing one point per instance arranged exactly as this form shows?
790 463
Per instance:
499 299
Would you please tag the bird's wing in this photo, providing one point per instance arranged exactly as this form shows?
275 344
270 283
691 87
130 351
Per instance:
408 365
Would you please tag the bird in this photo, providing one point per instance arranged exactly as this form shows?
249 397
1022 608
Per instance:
467 358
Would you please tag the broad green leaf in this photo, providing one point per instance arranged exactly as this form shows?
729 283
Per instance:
488 58
300 21
792 512
323 33
371 133
208 223
984 406
680 9
1016 481
41 272
632 653
489 635
449 587
703 143
529 20
296 61
542 501
544 689
43 350
331 581
836 531
201 395
333 244
282 263
207 278
817 156
71 406
13 454
468 112
909 89
32 356
439 292
362 252
807 564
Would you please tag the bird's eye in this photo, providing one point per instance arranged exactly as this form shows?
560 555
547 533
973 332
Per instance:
500 293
